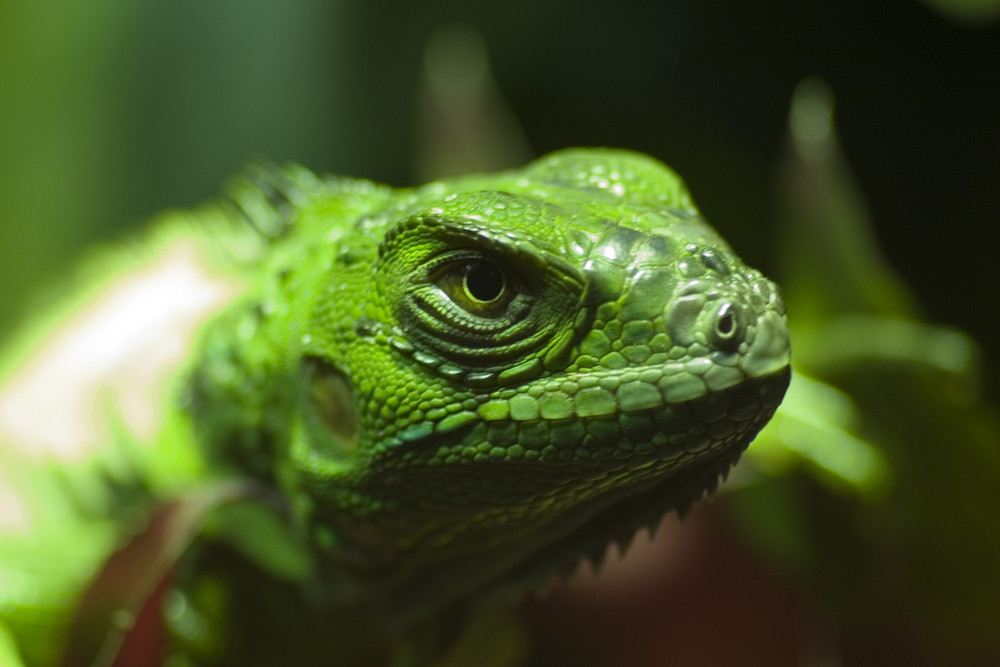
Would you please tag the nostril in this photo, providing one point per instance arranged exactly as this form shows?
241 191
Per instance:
726 327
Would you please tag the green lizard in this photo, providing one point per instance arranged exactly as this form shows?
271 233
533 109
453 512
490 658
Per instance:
411 405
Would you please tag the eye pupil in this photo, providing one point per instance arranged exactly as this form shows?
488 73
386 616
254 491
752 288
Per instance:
476 285
484 282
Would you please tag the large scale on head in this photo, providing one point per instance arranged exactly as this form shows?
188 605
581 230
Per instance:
508 371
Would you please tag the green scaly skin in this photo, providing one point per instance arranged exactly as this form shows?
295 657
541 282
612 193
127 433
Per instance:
456 391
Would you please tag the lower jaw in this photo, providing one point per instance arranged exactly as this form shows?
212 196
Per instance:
613 499
622 512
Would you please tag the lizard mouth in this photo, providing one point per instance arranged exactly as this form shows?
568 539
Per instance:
588 529
677 476
599 502
580 468
666 414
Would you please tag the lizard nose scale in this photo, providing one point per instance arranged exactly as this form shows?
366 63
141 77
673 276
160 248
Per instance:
660 302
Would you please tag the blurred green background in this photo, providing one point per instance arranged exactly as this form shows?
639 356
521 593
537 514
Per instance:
112 110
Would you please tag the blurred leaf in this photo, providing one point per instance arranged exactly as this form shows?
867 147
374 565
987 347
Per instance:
120 611
817 426
464 124
8 651
968 12
885 402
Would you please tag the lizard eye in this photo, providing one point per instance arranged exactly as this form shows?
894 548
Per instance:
475 300
477 286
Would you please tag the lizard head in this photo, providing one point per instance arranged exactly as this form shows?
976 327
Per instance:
508 372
